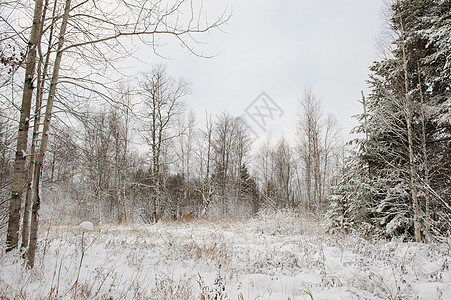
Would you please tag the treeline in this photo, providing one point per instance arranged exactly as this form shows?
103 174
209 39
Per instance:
62 56
88 147
147 156
397 180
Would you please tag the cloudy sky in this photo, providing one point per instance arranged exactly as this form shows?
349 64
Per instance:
281 47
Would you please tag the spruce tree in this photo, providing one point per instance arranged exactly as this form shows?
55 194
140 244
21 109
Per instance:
408 142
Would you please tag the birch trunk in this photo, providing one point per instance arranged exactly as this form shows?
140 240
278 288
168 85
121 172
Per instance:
45 138
206 188
41 76
19 172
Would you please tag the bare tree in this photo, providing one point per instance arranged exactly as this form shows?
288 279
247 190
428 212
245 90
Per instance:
98 158
22 138
6 162
45 137
242 146
163 99
223 137
265 173
121 134
13 47
184 145
95 31
205 165
43 64
282 161
317 144
63 159
231 144
308 143
332 149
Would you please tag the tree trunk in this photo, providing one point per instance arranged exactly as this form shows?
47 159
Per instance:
365 115
18 182
206 186
45 138
124 158
28 197
316 173
308 173
425 156
42 74
408 115
448 156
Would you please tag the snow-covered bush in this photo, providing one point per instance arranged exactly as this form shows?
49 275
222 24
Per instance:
279 222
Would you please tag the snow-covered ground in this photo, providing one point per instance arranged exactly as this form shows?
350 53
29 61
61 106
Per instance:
275 256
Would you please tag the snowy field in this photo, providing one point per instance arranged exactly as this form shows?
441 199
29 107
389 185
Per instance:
278 256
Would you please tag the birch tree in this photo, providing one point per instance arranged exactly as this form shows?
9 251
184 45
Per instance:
163 99
318 145
283 169
22 138
205 149
45 138
265 173
91 34
309 143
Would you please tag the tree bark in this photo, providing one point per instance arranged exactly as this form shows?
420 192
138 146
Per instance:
45 138
425 156
206 186
19 173
41 77
408 115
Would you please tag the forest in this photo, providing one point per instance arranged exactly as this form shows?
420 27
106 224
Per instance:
81 140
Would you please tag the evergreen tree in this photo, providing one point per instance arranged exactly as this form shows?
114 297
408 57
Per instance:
351 197
407 126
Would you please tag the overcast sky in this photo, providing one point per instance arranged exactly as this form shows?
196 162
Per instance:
280 47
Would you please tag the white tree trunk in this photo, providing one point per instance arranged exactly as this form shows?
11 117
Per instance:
41 78
19 181
45 138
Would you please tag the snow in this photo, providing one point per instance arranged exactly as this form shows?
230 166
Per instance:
86 226
274 256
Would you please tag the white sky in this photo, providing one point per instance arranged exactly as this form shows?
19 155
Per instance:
280 47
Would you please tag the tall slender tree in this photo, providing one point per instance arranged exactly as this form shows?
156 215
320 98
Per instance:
316 144
19 178
163 100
